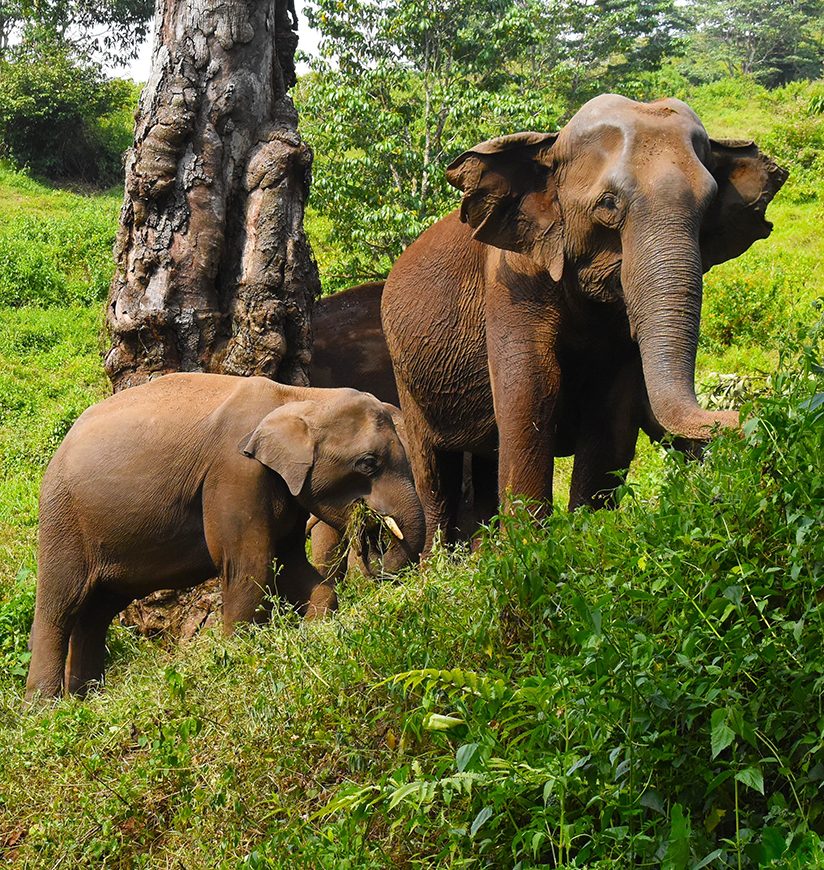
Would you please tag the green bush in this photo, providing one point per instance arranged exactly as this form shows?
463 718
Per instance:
661 703
59 116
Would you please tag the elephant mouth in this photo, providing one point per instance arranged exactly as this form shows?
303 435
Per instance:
602 283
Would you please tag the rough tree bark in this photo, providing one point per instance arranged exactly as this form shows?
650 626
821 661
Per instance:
214 272
213 269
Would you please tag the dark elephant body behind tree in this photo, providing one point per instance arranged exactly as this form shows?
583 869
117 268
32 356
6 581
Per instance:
348 345
195 475
566 291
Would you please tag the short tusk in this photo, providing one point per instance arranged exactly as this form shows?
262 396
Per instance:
393 527
311 523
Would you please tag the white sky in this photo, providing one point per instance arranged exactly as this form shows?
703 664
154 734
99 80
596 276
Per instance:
139 68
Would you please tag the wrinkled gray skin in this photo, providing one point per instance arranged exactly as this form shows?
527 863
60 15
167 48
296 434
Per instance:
195 475
537 319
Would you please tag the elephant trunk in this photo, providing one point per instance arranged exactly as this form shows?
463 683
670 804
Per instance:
661 276
405 520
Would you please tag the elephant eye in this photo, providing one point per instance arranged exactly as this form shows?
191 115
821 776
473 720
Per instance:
608 201
368 465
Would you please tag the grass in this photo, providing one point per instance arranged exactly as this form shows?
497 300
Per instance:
639 687
55 245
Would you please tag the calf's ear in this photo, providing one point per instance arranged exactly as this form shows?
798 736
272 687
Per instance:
283 442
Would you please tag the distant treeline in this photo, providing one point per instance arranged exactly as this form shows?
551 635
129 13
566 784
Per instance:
401 87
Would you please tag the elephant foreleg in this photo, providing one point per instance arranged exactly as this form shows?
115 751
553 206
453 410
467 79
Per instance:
300 583
329 551
607 435
526 399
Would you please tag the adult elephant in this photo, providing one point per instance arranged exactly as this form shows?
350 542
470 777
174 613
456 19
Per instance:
567 288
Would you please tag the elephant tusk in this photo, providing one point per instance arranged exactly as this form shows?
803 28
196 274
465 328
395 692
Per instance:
311 523
393 527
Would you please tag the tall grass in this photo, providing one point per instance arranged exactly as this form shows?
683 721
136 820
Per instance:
55 246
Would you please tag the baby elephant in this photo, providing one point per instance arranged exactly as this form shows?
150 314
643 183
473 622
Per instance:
195 475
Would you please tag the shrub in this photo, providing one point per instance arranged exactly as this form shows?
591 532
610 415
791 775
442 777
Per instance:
661 704
59 116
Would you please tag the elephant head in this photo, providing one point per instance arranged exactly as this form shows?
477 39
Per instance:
337 448
629 203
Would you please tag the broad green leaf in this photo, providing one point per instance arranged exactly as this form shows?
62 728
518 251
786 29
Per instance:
483 816
464 755
752 777
721 735
678 849
773 844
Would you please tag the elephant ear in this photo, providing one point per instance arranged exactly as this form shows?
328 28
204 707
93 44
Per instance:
747 181
284 442
510 197
398 423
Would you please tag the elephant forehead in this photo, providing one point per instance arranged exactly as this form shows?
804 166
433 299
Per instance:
611 122
628 157
350 410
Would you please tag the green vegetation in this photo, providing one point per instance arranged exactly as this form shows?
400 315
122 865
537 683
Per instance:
55 246
639 687
401 87
59 116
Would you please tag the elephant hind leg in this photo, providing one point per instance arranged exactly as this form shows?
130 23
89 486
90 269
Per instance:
49 646
440 491
438 474
62 586
87 646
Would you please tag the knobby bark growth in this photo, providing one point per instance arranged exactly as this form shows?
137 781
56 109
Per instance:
214 272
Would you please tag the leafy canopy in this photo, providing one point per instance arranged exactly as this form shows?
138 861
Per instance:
774 42
401 87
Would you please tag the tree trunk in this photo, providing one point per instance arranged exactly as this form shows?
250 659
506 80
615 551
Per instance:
214 272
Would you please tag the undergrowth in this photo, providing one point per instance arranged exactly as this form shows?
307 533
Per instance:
660 699
631 688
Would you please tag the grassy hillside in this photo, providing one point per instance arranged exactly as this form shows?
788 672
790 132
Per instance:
641 686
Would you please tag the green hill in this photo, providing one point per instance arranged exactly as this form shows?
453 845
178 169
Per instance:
638 687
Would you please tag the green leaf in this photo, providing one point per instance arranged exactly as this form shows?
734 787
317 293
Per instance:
483 816
651 799
439 722
773 844
721 735
707 859
678 848
752 777
464 755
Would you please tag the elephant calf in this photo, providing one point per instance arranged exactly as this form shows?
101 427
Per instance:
195 475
